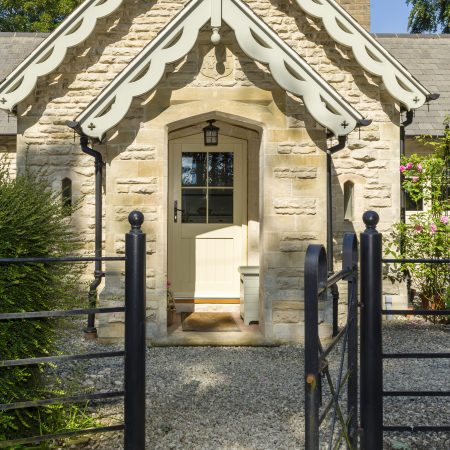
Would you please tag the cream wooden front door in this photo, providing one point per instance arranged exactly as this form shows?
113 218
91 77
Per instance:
207 217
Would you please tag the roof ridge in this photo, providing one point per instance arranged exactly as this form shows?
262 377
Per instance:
411 35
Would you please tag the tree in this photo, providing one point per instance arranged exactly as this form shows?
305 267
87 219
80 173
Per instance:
34 15
429 15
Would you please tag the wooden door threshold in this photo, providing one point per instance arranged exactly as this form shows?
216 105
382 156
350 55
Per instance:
202 301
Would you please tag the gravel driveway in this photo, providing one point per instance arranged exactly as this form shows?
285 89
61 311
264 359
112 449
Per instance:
237 398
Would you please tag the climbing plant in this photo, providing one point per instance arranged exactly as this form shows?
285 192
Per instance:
426 234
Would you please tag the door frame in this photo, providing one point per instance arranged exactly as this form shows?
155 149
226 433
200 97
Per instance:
199 140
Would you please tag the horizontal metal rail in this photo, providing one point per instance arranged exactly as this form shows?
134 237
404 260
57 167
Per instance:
416 261
60 260
67 434
50 359
338 276
421 428
416 393
416 355
65 313
335 278
416 312
58 400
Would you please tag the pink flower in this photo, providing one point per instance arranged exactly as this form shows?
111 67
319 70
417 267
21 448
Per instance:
402 168
418 228
419 167
444 220
415 179
433 228
410 165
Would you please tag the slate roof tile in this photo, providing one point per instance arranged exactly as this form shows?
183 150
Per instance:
427 57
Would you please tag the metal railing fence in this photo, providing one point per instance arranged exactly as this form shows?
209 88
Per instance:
372 356
134 352
317 284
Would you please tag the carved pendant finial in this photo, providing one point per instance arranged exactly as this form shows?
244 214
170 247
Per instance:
215 37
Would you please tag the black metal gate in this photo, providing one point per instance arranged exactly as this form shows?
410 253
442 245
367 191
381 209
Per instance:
316 364
134 353
369 434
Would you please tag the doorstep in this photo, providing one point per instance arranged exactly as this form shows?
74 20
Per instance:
213 339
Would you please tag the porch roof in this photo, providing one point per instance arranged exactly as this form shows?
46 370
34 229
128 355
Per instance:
254 37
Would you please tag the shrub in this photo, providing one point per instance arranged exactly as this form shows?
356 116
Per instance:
33 223
426 235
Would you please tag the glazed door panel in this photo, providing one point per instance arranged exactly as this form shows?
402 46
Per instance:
207 227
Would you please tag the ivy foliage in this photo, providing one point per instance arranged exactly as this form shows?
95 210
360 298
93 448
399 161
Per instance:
34 15
33 223
429 16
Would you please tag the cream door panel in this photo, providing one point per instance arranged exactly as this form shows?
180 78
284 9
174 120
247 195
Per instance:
208 237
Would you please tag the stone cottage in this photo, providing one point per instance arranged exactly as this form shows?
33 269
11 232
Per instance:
215 118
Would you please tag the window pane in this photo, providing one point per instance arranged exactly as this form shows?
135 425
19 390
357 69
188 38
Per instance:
220 205
220 169
193 169
194 205
348 200
411 205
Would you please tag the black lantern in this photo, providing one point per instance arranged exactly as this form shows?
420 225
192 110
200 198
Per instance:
211 133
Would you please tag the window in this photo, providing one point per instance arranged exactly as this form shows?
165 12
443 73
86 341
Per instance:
348 200
207 181
66 192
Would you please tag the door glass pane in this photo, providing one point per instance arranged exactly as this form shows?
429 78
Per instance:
220 169
220 205
194 206
193 172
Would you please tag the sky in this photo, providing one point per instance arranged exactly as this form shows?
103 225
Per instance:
389 16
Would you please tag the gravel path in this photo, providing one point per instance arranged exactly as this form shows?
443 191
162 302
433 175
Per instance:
218 398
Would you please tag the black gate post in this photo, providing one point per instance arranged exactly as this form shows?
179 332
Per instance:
315 279
350 261
135 287
371 340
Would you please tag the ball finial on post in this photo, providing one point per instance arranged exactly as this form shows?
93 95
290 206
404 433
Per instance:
371 219
136 219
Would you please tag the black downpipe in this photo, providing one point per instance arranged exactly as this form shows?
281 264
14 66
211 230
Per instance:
330 263
330 151
90 330
408 121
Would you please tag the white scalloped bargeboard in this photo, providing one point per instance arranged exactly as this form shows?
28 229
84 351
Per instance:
50 54
289 70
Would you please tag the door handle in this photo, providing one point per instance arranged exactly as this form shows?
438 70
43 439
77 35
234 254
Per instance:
175 211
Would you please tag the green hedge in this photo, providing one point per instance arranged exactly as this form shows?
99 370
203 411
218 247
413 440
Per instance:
33 223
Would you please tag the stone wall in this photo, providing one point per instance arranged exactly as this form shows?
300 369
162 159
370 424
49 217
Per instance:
292 175
8 153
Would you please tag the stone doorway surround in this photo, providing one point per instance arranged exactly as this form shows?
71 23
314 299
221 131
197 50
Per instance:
238 130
